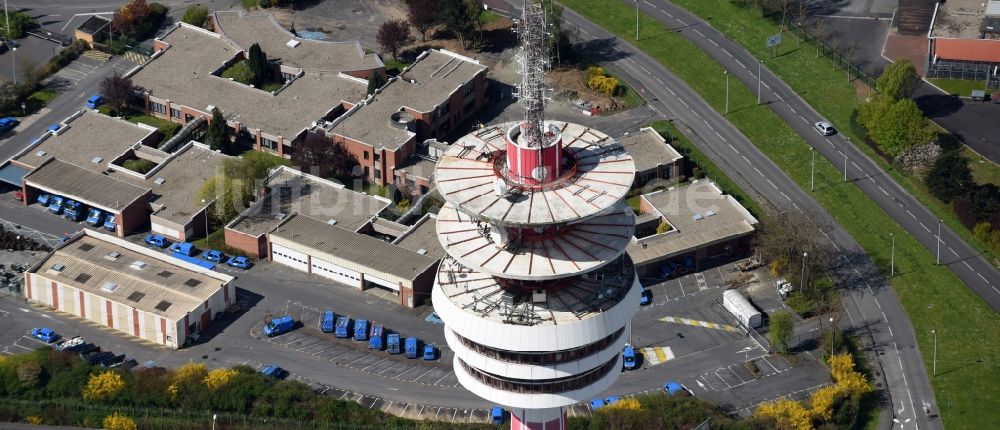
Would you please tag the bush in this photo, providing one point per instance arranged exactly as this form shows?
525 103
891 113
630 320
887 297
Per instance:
103 386
118 422
196 15
19 23
139 165
950 177
239 72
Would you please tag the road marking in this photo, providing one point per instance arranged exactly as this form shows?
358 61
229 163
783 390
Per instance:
685 104
424 374
699 33
765 85
696 113
683 293
745 159
442 378
668 14
786 196
883 190
697 323
658 80
707 124
356 360
772 184
769 364
876 299
953 251
370 365
654 355
720 136
911 214
758 171
727 52
632 60
716 372
736 375
793 110
798 208
644 69
681 21
733 148
714 43
672 92
925 227
741 64
803 119
390 368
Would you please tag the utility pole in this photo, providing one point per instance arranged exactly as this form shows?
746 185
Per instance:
759 63
727 89
845 167
803 278
636 19
939 242
812 170
892 260
934 366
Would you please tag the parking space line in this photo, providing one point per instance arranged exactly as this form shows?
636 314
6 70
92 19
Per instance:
442 378
399 376
683 293
723 380
737 375
390 368
422 375
769 363
370 365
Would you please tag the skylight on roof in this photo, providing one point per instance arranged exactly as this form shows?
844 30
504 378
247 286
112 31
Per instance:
58 267
709 213
696 216
163 306
159 181
138 265
109 287
41 153
96 160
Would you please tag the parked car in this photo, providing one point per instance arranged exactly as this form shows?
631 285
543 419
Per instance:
646 297
612 400
156 240
628 357
430 352
497 415
8 123
43 199
213 255
44 334
274 372
54 127
110 224
94 101
596 404
239 262
673 387
825 128
95 217
182 248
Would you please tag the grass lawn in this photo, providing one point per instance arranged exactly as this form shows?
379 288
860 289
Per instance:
633 202
38 100
630 96
167 128
961 87
984 171
272 86
933 296
815 80
268 159
394 67
217 240
375 190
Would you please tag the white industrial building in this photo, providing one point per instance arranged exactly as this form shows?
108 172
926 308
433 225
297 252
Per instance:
139 291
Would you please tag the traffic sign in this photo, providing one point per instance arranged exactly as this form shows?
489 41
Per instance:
774 41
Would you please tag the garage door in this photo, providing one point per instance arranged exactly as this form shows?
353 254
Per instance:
166 231
339 274
289 257
382 282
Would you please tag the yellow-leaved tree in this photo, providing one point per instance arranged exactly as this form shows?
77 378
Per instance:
102 386
788 413
823 400
218 377
627 404
118 422
844 375
187 375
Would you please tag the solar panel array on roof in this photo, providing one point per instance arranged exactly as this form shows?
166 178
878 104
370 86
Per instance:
136 296
163 306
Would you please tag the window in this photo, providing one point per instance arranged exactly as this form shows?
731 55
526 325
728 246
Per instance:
469 87
378 173
366 155
268 143
377 156
158 108
445 108
175 113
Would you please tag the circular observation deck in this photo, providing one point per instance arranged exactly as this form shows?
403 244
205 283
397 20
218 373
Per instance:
558 315
595 173
536 254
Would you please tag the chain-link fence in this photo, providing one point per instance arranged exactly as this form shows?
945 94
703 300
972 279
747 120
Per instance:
37 236
840 59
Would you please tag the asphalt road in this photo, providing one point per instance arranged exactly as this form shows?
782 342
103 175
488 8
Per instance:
892 338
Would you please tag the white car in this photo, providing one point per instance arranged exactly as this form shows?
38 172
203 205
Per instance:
824 128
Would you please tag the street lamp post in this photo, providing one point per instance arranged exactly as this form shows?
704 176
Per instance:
214 416
636 19
759 63
13 64
845 167
812 170
727 89
939 243
803 278
833 331
892 258
934 365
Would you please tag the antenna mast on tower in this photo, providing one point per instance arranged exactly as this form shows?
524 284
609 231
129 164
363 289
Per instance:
532 62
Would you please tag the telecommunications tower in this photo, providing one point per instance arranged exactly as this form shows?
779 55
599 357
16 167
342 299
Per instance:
536 293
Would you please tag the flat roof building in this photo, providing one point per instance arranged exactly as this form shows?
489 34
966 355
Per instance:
422 238
290 191
654 157
703 223
141 292
182 82
328 250
964 41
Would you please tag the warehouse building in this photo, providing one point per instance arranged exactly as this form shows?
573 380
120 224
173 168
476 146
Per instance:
289 191
654 157
964 41
129 288
361 261
702 223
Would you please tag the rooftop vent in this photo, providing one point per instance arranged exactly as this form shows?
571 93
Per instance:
159 181
85 247
280 216
96 160
696 216
82 278
58 267
163 306
538 296
138 265
109 287
41 153
332 222
136 296
292 43
709 213
422 251
113 256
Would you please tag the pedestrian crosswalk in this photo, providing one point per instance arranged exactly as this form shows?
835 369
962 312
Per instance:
654 355
697 323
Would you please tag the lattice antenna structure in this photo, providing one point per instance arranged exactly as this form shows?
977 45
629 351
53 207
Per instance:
532 61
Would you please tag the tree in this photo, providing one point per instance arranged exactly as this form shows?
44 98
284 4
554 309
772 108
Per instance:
898 80
103 386
558 39
782 239
950 177
423 16
8 95
28 374
217 136
317 153
257 62
985 202
899 127
780 331
375 82
474 14
19 23
240 72
217 378
233 186
130 16
454 17
393 35
196 15
119 91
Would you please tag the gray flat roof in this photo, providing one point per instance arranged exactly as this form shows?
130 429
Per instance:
423 86
959 19
423 236
295 192
88 187
700 216
365 251
245 29
648 149
182 176
419 167
86 138
87 266
182 74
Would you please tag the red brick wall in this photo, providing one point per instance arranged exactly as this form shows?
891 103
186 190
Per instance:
55 296
83 306
255 246
111 316
135 216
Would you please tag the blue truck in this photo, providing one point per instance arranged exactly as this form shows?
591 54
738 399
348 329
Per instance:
56 204
375 342
74 210
328 320
392 343
411 347
194 260
361 330
95 217
279 325
628 357
343 327
110 224
43 199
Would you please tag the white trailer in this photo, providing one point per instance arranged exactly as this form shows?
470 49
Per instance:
741 309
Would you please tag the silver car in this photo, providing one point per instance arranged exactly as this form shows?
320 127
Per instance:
824 128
